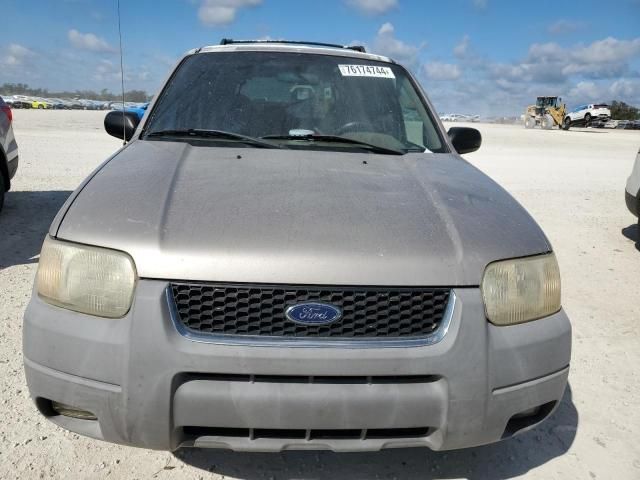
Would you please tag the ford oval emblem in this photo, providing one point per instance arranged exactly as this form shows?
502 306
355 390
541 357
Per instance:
313 313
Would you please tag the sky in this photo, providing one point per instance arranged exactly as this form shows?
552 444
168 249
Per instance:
485 57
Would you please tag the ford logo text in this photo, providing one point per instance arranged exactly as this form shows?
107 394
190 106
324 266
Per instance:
313 313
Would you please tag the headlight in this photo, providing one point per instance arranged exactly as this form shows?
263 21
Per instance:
91 280
522 289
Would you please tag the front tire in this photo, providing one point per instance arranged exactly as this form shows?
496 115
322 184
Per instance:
566 125
529 122
587 120
547 122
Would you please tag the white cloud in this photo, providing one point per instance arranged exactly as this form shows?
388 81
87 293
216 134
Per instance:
462 48
373 7
387 44
546 52
386 29
560 27
480 4
71 69
587 91
135 76
106 67
608 50
89 41
626 88
601 52
442 71
222 12
15 55
550 62
18 50
597 71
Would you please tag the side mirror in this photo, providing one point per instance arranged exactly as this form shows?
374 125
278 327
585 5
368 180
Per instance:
465 139
121 124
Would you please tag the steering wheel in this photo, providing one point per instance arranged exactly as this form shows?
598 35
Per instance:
356 126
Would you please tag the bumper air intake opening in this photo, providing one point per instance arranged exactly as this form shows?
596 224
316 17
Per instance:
51 408
337 434
44 407
527 418
278 433
193 433
398 432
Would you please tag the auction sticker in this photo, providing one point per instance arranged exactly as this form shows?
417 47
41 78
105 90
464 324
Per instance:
366 71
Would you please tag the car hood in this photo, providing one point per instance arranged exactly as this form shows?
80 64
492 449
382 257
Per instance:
194 212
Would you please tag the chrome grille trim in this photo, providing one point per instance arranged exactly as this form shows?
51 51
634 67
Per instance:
293 342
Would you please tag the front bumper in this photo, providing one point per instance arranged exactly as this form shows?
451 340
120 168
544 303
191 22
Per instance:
151 387
633 203
12 166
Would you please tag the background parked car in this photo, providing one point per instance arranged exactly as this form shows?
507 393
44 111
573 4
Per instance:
60 104
139 109
90 104
8 150
20 101
117 105
459 117
74 104
56 103
628 124
39 103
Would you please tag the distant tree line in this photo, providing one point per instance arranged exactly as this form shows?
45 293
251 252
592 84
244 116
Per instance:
622 111
104 94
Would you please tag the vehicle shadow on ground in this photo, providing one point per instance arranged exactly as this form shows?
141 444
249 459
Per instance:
632 232
506 459
24 222
587 131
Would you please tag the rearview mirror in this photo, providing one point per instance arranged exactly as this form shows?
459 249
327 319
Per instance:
465 139
121 124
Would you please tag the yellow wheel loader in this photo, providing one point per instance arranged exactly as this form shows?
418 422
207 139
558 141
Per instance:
547 113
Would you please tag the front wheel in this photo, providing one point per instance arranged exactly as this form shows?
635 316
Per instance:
40 107
566 125
529 122
587 120
547 122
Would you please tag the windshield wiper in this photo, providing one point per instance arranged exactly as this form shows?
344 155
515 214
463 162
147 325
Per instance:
336 139
204 133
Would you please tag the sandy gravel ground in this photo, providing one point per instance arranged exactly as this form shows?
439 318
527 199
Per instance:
572 182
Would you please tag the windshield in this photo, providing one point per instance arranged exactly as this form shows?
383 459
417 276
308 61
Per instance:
275 94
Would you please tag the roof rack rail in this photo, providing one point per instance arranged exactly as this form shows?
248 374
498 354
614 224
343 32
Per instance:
357 48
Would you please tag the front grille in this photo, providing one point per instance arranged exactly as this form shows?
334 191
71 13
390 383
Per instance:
260 310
